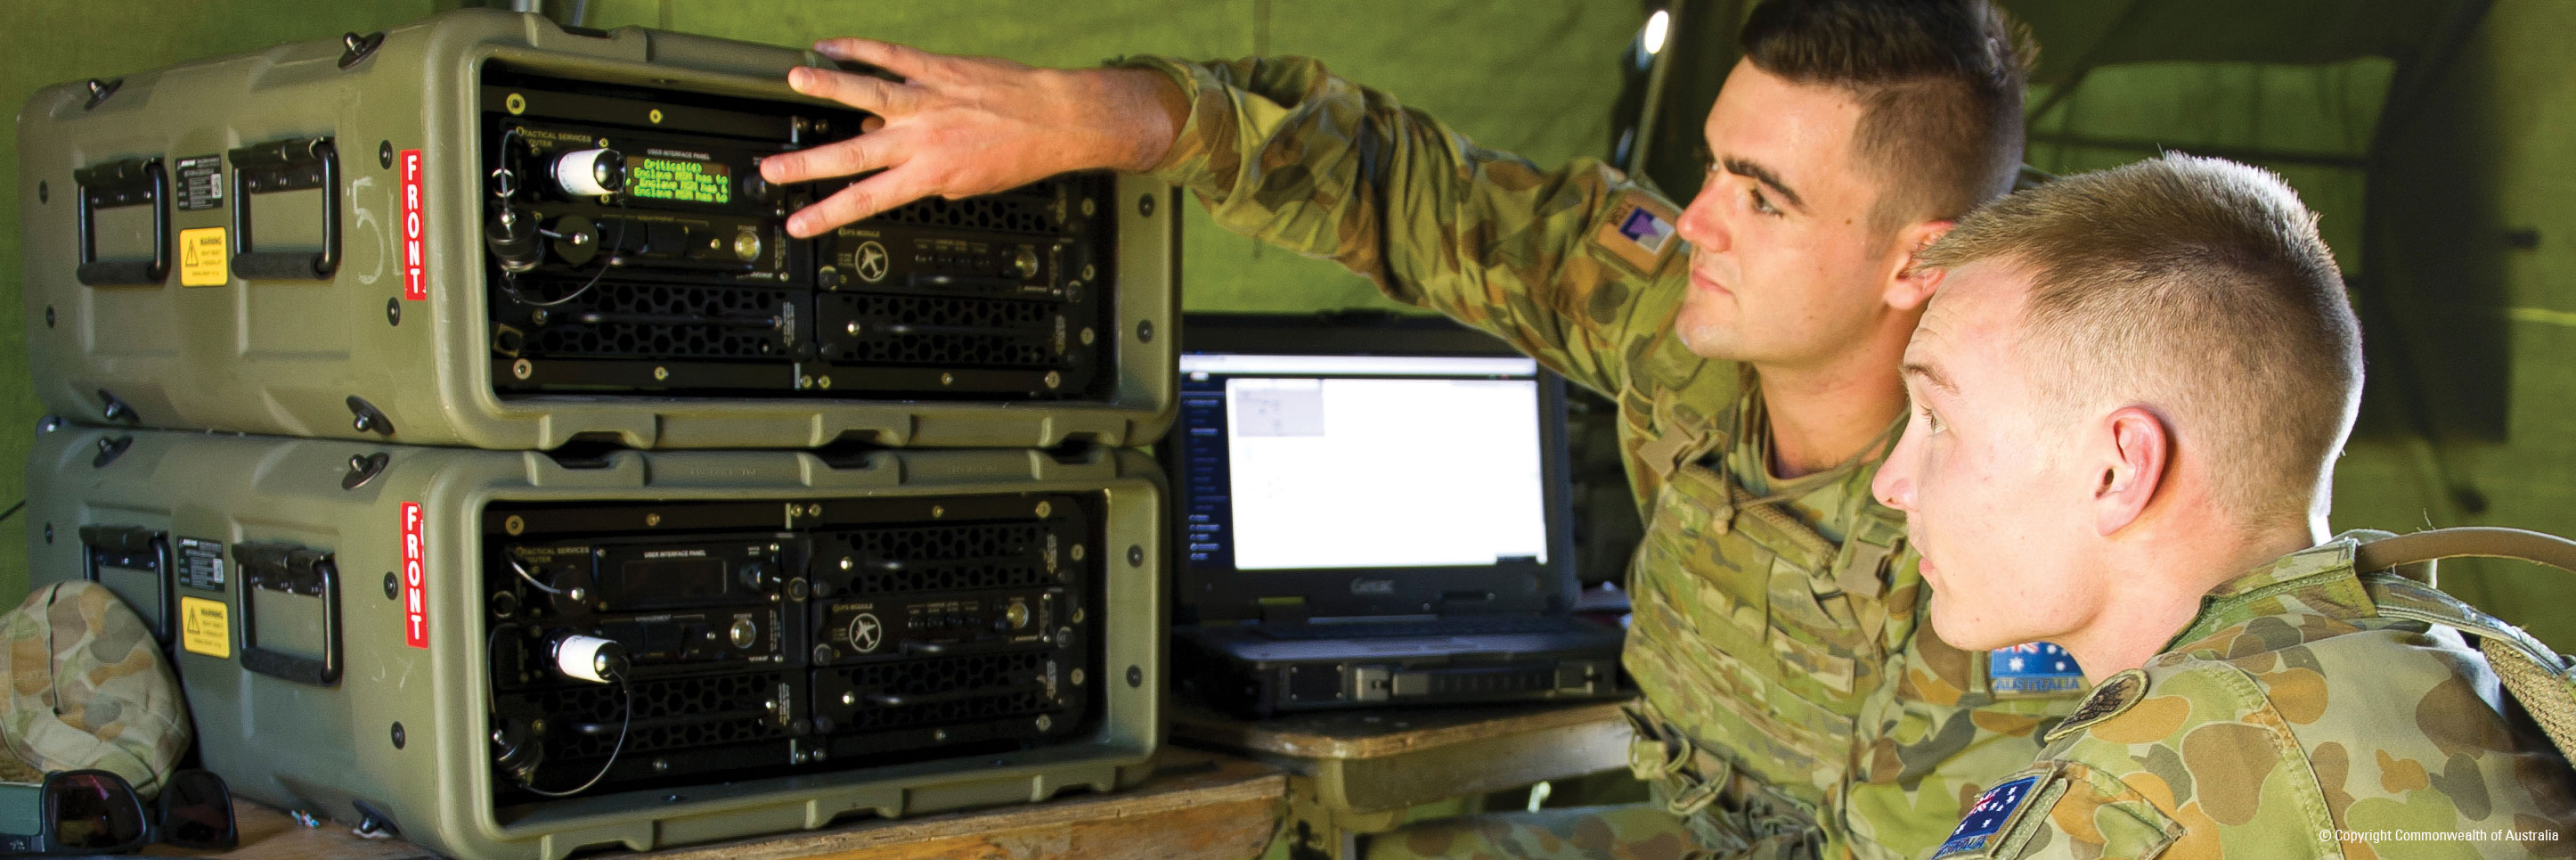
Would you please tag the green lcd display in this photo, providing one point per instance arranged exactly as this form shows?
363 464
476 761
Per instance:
678 179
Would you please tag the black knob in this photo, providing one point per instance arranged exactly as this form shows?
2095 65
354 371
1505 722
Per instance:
760 189
513 239
757 576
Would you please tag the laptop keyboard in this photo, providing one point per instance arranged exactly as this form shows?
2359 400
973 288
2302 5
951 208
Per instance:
1442 627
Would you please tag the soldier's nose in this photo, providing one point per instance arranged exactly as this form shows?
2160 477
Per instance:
1700 226
1894 485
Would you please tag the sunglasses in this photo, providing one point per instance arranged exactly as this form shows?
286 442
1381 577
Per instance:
97 812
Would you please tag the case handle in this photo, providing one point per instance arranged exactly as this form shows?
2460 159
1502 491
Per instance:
116 184
293 570
290 165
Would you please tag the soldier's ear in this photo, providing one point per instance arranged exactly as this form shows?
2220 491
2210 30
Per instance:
2132 450
1909 286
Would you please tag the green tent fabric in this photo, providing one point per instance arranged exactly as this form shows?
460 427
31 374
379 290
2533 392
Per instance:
2438 139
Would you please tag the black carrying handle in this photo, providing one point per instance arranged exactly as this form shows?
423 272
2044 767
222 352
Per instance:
133 541
287 165
132 182
294 570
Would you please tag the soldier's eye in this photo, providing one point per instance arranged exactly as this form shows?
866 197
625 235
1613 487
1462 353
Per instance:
1762 204
1931 422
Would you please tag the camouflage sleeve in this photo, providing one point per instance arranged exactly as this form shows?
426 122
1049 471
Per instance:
1561 264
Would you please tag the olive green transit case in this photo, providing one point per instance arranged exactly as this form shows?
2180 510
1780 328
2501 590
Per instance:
522 655
482 229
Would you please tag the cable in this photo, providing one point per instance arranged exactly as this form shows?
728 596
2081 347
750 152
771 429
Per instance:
510 282
629 720
13 510
523 574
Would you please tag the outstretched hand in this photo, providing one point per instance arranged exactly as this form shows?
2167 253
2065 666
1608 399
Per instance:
964 126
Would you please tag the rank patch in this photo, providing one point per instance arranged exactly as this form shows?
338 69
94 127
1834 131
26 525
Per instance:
2116 694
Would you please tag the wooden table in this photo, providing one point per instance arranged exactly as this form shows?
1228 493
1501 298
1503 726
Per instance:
1355 772
1197 806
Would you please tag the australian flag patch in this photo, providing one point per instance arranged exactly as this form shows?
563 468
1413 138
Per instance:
2039 667
1994 809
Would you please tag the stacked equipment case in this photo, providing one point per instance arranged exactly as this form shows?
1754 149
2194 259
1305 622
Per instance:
479 285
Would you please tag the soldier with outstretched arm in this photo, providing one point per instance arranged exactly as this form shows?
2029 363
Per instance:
1795 704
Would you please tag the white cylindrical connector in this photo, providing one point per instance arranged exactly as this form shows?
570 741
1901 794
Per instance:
588 658
591 172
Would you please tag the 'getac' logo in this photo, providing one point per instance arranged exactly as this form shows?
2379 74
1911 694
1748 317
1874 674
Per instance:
1373 586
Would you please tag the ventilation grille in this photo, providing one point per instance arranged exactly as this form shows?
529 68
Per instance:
1028 210
1013 679
947 558
943 330
739 697
695 322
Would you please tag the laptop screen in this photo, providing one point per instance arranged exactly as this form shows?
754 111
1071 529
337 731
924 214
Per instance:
1355 470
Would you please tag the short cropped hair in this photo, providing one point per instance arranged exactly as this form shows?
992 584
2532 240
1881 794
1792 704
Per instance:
1940 85
2197 287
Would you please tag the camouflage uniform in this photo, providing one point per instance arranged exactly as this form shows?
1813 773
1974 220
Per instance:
2306 712
1791 708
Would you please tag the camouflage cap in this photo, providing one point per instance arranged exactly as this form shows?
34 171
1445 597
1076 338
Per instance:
88 688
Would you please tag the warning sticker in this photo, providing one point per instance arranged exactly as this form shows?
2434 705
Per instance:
201 564
205 627
201 258
201 182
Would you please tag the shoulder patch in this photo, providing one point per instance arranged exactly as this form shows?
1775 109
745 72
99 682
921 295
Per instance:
2039 668
1994 812
1639 232
2116 694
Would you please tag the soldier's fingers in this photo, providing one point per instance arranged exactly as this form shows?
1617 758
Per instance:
841 158
903 60
875 95
863 199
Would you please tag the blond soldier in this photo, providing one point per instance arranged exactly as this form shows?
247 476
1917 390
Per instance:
2130 393
1794 705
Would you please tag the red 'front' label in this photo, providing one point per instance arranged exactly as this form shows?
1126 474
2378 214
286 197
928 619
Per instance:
415 250
415 587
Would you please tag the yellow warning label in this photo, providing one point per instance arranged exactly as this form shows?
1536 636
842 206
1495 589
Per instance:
205 627
201 257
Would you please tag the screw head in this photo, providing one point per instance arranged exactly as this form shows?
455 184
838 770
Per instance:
1145 206
385 153
1145 331
398 736
1135 676
1135 556
393 585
